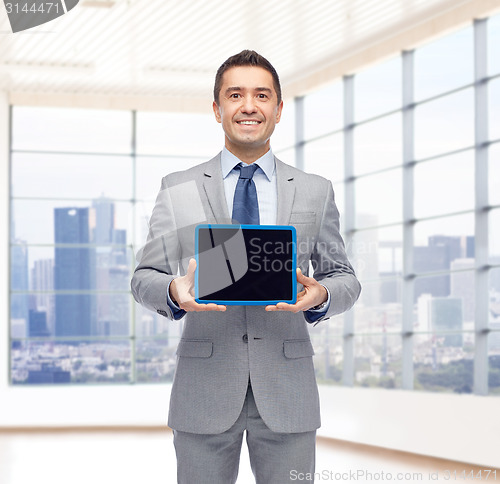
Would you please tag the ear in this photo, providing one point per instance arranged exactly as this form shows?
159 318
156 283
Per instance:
216 109
278 112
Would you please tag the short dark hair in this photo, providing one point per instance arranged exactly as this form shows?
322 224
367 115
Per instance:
246 58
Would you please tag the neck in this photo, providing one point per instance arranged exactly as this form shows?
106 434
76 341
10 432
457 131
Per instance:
248 156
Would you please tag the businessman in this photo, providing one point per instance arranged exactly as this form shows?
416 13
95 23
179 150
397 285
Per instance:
245 368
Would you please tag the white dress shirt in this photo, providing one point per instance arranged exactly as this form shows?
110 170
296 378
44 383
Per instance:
264 179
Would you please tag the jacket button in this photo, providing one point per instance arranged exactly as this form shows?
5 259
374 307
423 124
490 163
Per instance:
245 338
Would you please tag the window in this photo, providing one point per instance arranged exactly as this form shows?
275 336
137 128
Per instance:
378 144
494 109
83 187
456 173
493 45
445 64
378 90
445 124
413 217
415 174
324 111
325 156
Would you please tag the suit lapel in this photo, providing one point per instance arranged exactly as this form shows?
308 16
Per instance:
214 190
286 192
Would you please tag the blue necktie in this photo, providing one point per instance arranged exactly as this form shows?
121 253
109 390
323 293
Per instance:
245 203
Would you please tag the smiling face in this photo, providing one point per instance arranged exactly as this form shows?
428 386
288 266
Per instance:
248 110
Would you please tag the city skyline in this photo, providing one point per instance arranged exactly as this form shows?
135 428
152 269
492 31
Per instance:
99 264
81 294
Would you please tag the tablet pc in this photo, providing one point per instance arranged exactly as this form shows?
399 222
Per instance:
245 264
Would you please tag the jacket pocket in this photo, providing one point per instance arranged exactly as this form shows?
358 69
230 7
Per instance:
302 218
298 348
195 348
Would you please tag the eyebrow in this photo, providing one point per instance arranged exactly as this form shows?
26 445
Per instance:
238 88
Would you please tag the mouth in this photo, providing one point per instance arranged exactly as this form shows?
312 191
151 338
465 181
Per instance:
246 122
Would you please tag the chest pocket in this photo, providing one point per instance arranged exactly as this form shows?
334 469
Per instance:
302 218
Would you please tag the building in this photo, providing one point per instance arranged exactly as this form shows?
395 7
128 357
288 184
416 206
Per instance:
42 283
112 271
431 258
38 324
19 303
446 314
74 271
438 256
462 286
48 374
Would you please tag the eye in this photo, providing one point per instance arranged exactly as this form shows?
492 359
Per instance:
262 96
235 95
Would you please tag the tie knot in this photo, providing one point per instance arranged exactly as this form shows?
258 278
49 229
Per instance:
248 170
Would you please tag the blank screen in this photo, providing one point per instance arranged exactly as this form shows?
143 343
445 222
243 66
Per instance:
245 264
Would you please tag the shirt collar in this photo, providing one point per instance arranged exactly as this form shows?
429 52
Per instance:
229 161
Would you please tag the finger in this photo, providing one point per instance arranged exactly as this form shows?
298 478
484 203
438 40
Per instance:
303 303
301 278
213 307
276 307
191 269
282 306
210 307
287 307
299 306
194 306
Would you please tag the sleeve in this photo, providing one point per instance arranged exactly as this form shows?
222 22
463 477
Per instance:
330 264
177 312
312 315
158 260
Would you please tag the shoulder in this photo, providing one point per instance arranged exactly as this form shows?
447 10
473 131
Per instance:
310 180
194 173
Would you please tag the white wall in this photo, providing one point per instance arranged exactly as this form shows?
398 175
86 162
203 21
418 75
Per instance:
457 427
465 428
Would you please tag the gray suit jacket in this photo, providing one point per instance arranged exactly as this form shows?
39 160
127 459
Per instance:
219 351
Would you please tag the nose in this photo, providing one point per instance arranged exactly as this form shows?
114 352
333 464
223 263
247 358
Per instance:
248 105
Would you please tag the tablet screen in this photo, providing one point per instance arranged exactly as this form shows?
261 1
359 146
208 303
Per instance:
245 264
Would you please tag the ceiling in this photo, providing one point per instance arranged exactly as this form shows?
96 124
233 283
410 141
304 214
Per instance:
160 53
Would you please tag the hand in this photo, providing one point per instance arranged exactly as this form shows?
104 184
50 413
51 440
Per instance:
182 292
313 295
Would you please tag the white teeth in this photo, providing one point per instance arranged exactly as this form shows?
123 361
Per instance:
248 122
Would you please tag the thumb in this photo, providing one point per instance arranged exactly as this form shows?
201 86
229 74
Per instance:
191 268
300 277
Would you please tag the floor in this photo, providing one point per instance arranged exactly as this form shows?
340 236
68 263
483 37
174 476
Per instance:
83 456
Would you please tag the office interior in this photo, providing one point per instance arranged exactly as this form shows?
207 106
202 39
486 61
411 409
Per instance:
396 102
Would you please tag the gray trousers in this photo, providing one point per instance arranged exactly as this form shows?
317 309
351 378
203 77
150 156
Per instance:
275 458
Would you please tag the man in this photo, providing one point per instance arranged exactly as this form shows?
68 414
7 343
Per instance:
245 367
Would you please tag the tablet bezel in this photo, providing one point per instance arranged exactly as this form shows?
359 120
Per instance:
289 228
